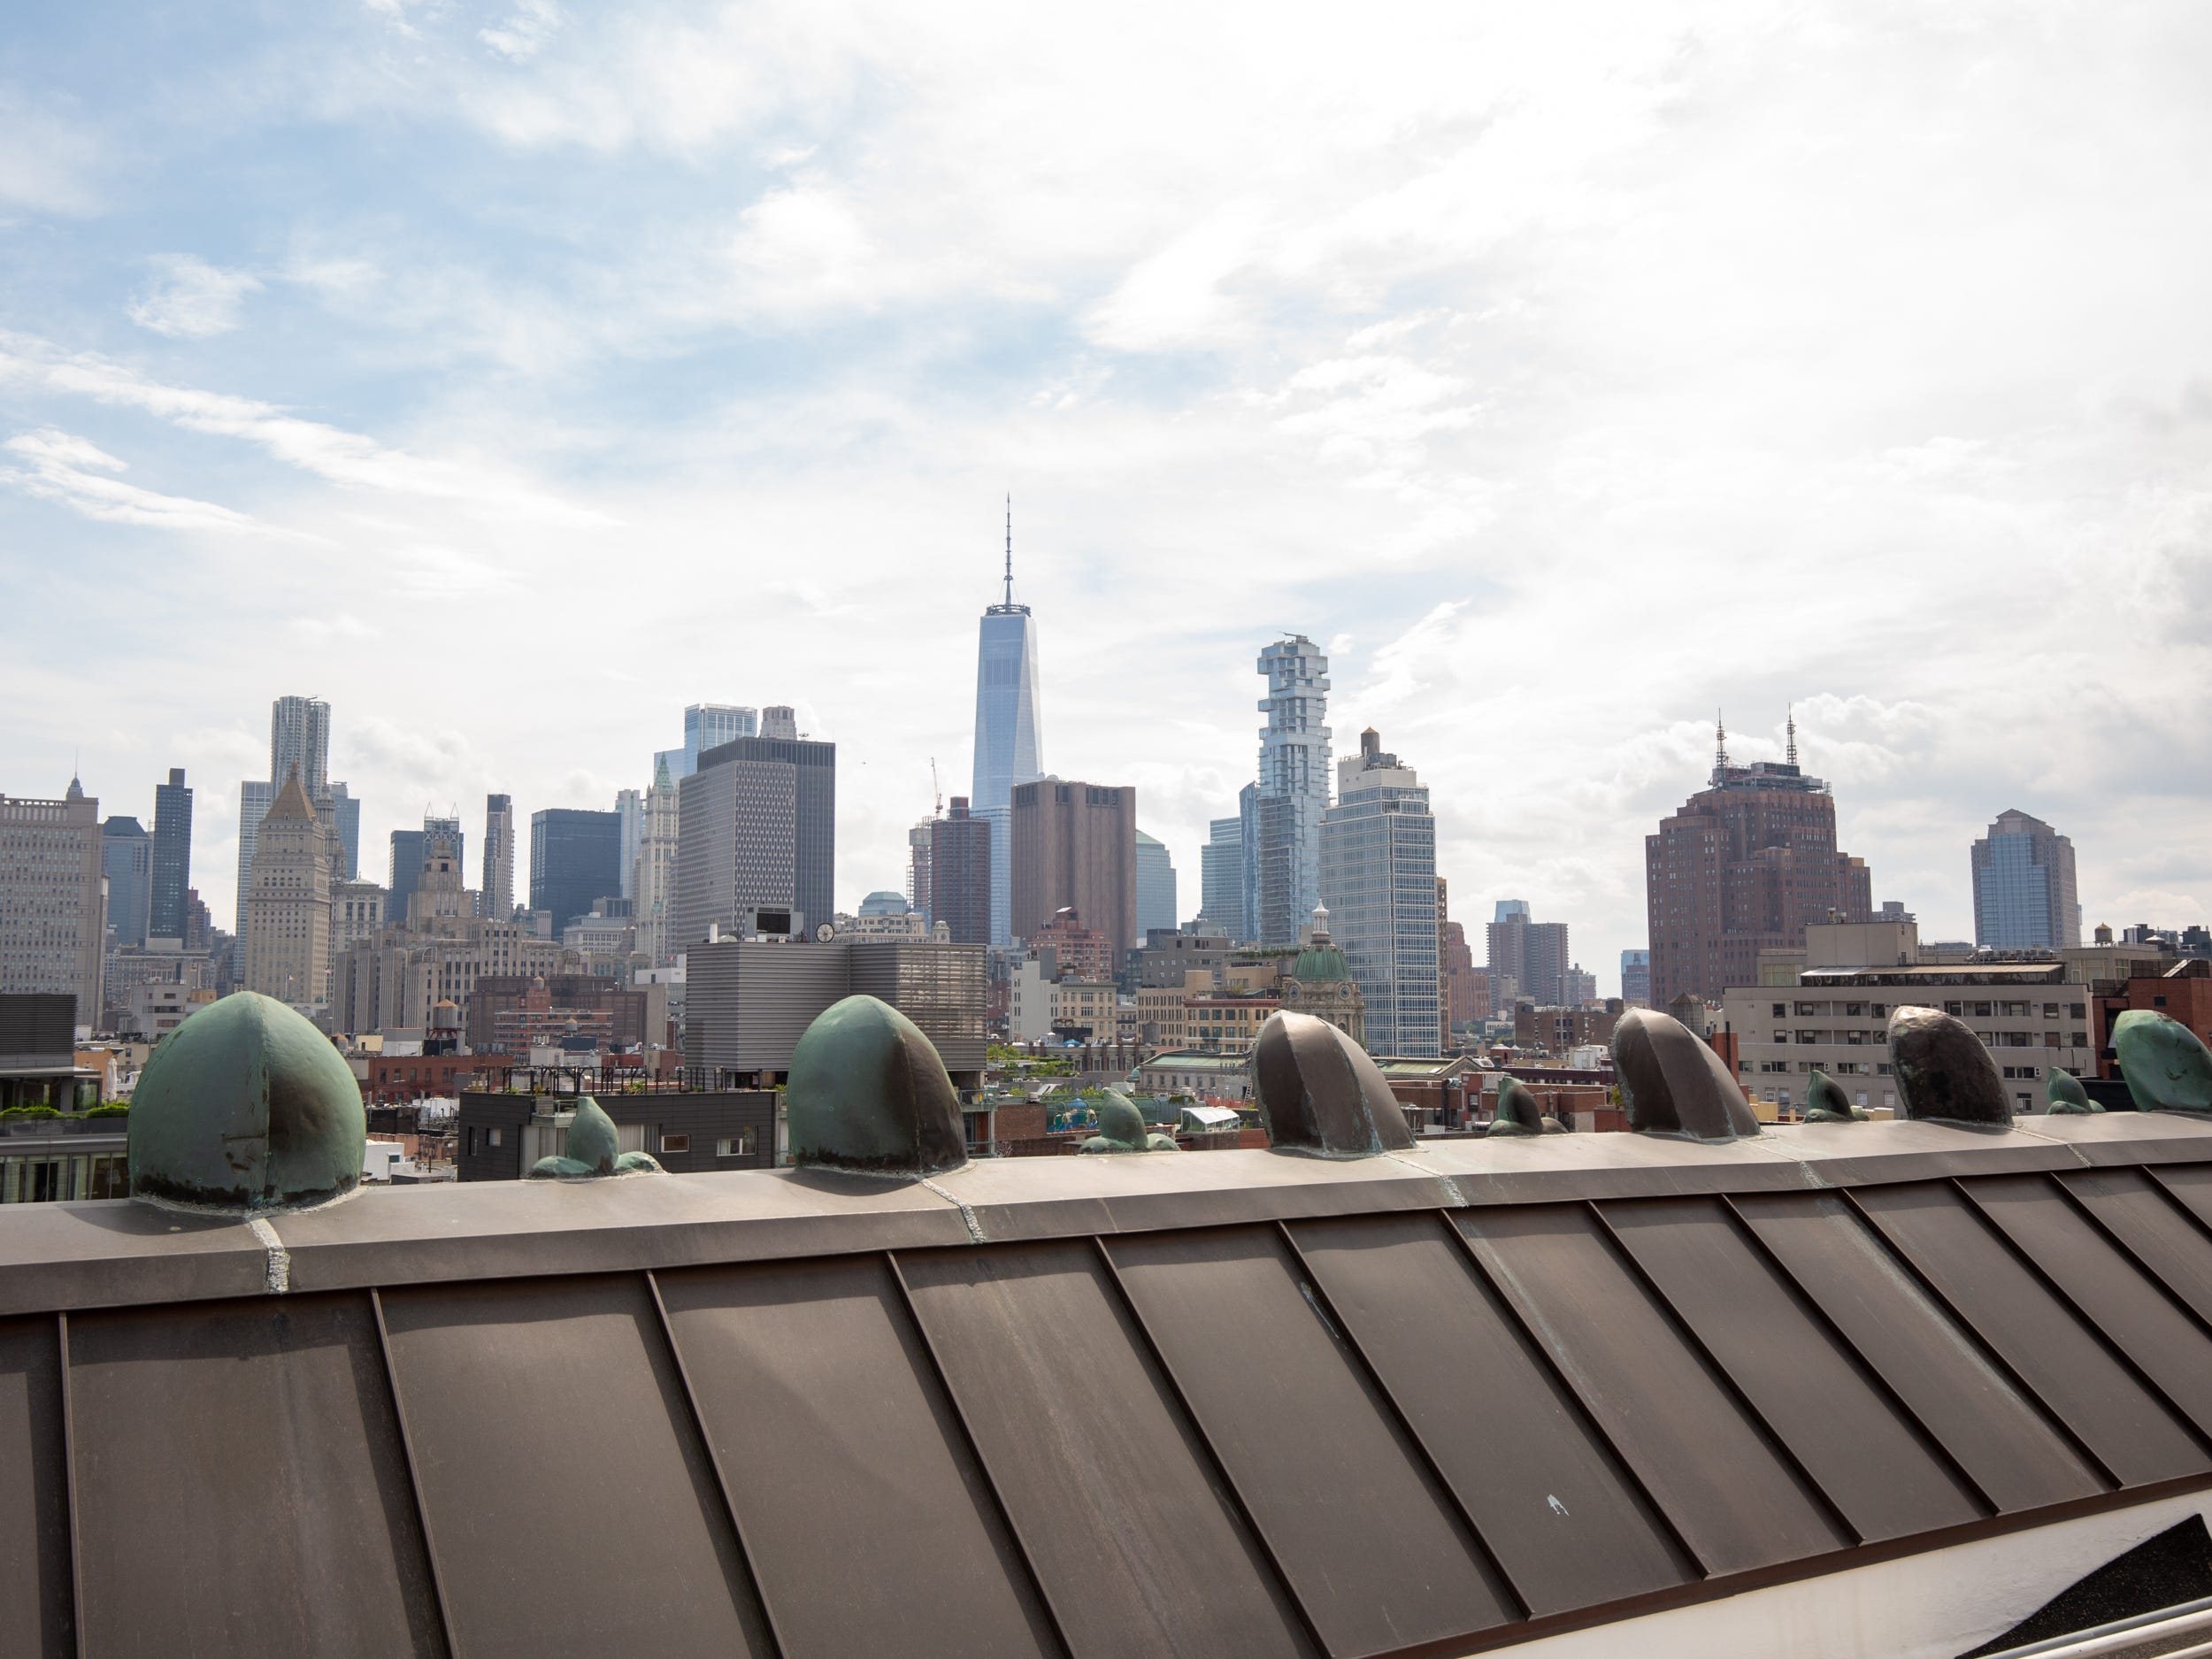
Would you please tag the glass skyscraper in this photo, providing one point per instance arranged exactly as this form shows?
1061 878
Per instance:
1221 878
707 726
173 856
2025 896
1282 833
1378 874
1009 737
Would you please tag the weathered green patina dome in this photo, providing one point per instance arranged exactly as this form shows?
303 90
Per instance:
2167 1067
246 1106
1319 962
867 1091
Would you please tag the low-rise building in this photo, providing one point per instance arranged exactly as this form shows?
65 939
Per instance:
1085 1008
688 1131
2031 1015
1214 1076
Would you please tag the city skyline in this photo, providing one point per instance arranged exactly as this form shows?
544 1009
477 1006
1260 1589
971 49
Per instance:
1520 424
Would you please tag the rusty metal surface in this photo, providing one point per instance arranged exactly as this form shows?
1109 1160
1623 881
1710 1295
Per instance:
2140 1214
1141 1550
2160 1340
1565 1520
1386 1562
34 1492
571 1506
1845 1429
2045 1343
1706 1462
1994 1430
822 1406
249 1444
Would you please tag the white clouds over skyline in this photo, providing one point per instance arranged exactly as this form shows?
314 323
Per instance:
1583 367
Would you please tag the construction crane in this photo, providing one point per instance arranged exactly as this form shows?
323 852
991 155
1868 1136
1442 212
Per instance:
936 791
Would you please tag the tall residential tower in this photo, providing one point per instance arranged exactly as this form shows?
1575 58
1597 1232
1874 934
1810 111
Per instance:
1282 842
1378 881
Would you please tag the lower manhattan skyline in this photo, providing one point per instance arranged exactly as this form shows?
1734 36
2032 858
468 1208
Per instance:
1847 365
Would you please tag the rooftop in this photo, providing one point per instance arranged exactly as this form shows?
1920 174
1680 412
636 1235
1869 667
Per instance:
1211 1404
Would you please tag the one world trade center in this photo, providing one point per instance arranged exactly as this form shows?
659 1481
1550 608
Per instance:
1008 741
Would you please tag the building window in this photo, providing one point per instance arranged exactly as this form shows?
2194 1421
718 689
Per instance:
743 1144
491 1137
676 1143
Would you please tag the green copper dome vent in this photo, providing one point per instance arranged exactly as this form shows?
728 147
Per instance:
246 1107
867 1092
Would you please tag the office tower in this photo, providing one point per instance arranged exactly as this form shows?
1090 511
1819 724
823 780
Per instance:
1446 931
288 906
172 858
629 806
410 849
1075 848
127 859
1636 977
653 881
495 896
53 920
1578 988
2023 886
1462 983
706 725
960 869
299 742
1221 879
920 840
1008 733
1283 839
779 720
1156 887
345 827
756 825
1377 872
573 855
1743 867
1527 957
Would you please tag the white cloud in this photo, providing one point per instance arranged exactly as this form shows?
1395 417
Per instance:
525 33
48 160
60 467
328 452
191 299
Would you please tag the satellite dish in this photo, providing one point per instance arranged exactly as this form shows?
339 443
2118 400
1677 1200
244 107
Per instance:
823 932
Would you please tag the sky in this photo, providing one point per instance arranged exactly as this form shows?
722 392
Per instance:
513 375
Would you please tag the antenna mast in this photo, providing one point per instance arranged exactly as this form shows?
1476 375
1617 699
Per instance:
1010 547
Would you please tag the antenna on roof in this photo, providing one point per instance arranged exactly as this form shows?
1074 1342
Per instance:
1010 547
1720 742
1793 730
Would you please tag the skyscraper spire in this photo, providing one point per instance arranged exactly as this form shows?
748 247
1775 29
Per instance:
1793 730
1010 547
1720 743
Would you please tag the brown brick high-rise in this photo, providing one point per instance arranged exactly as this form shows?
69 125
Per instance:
1746 863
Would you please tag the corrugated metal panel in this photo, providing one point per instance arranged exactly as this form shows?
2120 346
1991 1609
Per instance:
1997 1434
1373 1547
2124 1425
1564 1519
240 1485
34 1492
1139 1547
1846 1432
822 1406
1708 1464
569 1501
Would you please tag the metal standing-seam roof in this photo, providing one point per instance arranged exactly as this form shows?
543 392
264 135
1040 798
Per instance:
1225 1403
